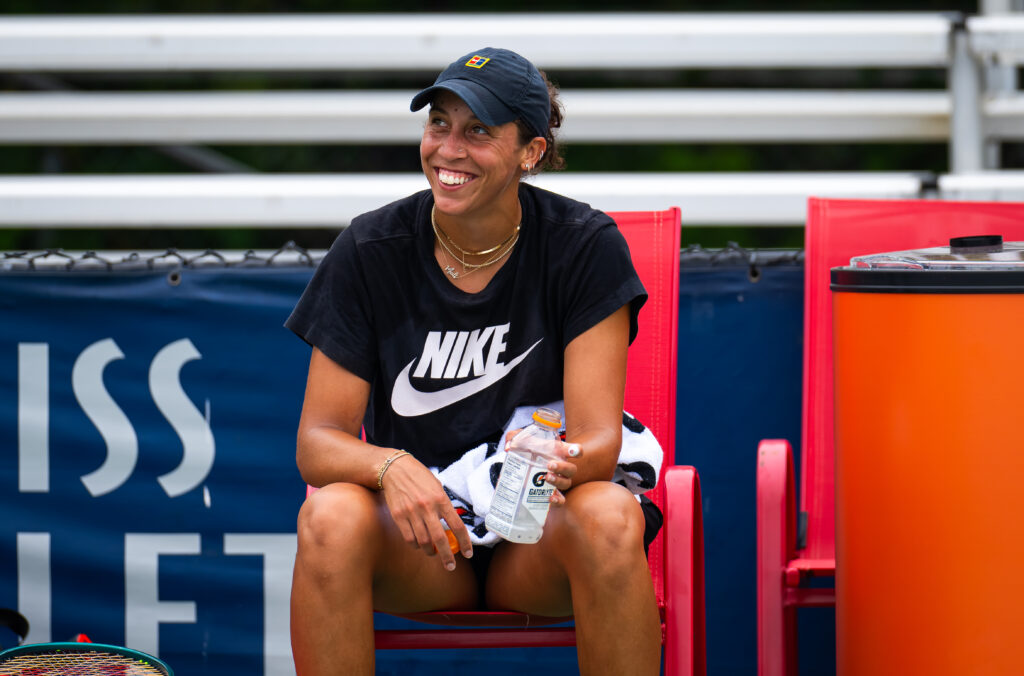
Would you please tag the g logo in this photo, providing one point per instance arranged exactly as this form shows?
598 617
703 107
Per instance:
538 479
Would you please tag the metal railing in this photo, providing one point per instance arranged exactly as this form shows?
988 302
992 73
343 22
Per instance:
594 116
321 200
974 112
427 42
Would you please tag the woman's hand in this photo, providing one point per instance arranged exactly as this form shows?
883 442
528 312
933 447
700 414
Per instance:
330 450
561 470
418 504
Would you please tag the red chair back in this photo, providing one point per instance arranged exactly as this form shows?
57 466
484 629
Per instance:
837 230
653 239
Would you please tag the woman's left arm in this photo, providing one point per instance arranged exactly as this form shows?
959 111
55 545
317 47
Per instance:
594 387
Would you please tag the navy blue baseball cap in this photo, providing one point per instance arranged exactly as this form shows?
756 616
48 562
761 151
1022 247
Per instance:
498 85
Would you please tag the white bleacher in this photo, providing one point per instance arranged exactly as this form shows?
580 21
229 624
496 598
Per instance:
967 115
382 42
605 116
999 38
986 186
203 200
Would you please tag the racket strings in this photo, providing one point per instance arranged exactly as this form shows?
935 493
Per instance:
77 664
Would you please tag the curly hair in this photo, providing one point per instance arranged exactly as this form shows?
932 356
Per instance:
552 158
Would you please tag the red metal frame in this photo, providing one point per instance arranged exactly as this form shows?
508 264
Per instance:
676 557
836 231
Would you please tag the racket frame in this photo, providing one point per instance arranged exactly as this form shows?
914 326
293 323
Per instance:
69 647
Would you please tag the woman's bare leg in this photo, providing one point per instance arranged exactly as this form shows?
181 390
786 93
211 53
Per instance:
351 559
589 563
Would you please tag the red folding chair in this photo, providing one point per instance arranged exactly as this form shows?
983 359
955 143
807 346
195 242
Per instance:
676 556
794 546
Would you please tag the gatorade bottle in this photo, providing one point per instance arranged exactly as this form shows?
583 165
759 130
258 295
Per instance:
521 498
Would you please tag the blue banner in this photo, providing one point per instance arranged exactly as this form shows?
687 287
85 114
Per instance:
148 488
148 480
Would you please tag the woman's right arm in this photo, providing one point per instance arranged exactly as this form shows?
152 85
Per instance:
329 450
328 447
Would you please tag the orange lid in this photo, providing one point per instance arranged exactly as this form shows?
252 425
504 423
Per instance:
548 417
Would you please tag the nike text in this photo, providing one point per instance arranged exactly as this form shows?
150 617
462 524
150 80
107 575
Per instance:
453 354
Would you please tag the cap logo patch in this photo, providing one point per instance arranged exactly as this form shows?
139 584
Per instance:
477 62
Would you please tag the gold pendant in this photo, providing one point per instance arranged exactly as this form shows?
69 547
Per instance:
450 271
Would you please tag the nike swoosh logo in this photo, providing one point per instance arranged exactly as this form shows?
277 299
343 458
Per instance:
407 401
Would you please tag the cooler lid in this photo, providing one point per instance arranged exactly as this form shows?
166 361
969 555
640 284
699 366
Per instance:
982 264
982 252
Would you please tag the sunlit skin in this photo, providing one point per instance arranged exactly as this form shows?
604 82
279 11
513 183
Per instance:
482 211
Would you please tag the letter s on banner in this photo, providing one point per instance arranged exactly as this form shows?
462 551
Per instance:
191 426
107 416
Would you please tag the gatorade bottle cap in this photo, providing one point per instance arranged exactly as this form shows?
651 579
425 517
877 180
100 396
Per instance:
548 417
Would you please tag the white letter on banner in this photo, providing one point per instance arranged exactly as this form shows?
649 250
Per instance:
33 418
34 584
106 415
143 609
278 551
191 426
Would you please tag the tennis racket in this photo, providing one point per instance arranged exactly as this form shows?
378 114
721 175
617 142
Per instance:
79 659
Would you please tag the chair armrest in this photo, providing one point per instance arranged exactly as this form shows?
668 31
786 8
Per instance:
776 542
684 573
776 505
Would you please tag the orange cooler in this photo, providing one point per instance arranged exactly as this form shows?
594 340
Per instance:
929 412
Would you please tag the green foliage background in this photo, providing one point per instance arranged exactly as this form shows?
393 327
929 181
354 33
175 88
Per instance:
88 159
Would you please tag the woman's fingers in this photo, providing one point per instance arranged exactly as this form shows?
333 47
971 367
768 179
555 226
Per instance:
405 528
438 544
424 538
561 472
430 535
458 530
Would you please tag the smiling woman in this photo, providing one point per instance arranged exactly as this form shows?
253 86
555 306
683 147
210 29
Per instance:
432 320
475 148
474 171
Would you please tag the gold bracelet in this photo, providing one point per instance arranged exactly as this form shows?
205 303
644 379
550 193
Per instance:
387 463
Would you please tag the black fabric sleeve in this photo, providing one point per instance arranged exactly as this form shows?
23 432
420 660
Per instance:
601 279
334 313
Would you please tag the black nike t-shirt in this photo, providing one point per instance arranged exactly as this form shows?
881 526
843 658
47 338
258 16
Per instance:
446 367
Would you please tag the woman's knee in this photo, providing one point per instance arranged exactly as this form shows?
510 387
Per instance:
338 518
601 520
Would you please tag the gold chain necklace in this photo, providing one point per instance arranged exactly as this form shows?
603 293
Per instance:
469 268
439 231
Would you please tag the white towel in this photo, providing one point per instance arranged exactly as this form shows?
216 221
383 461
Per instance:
470 480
